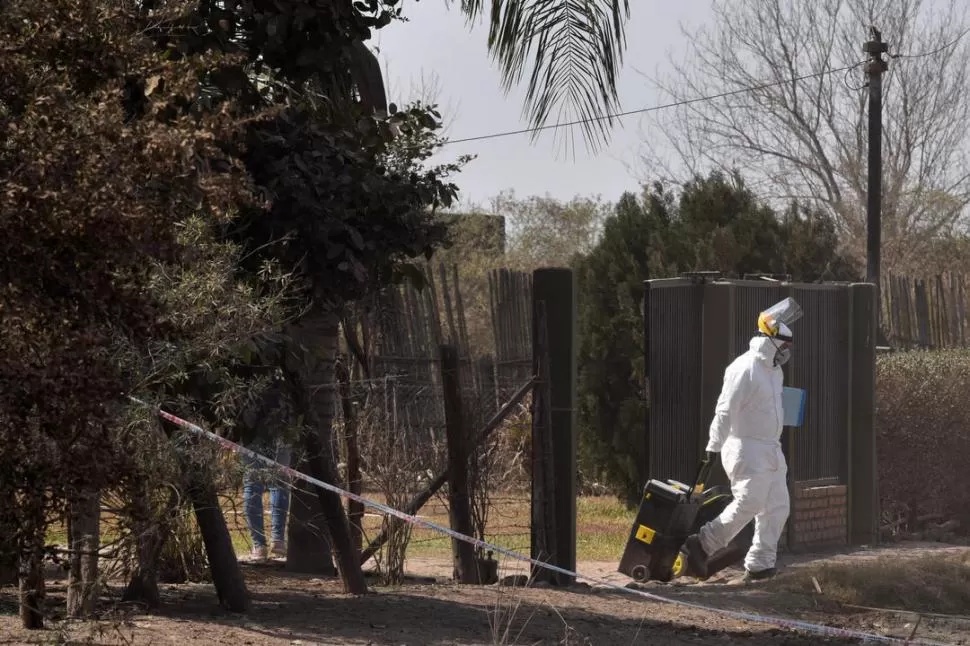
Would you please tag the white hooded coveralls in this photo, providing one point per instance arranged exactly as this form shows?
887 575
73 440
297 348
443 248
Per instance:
746 430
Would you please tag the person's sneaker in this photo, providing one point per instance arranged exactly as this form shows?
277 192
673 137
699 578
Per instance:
279 549
258 553
760 575
696 557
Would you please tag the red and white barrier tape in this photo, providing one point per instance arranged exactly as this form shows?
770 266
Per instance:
793 624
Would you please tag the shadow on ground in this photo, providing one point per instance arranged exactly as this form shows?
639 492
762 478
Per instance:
291 608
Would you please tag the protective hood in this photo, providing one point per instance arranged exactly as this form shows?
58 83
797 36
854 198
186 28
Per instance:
765 348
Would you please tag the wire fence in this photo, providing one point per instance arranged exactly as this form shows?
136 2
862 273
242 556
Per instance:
389 424
392 426
384 427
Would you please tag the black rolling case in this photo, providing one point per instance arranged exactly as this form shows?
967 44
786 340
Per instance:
670 512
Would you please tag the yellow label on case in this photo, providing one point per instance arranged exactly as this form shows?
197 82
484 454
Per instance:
645 534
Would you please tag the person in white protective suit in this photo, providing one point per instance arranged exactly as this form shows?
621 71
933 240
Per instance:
746 431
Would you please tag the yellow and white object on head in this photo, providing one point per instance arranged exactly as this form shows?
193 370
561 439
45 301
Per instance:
776 321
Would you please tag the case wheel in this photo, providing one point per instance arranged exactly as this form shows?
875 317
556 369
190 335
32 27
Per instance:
640 573
680 565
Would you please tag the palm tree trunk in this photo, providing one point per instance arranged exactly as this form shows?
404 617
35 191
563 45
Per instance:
318 333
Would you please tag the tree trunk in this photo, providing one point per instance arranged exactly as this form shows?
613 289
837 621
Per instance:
32 564
226 573
354 508
320 466
8 538
308 542
318 333
84 541
152 532
223 564
143 586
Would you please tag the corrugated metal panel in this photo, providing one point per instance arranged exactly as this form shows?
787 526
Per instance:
674 319
820 365
678 417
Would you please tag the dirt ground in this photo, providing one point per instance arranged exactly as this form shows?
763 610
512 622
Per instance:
292 609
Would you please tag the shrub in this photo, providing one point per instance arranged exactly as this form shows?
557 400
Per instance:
923 432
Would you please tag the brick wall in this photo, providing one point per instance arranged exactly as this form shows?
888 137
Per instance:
819 514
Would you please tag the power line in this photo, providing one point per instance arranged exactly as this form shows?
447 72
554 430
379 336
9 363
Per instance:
937 50
845 79
702 99
656 108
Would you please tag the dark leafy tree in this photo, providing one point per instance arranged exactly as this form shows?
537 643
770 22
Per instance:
725 227
140 117
611 402
111 178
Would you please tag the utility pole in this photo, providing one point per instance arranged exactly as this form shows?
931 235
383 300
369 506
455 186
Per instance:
876 65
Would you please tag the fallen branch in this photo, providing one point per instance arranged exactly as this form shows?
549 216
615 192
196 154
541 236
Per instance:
912 633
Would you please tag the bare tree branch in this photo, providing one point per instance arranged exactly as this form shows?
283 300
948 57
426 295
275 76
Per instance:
808 137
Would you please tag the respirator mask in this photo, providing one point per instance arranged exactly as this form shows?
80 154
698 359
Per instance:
782 355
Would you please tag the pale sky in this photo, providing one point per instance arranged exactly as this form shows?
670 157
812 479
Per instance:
438 44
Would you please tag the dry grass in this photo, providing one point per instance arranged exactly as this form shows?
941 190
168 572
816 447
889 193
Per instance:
602 526
933 584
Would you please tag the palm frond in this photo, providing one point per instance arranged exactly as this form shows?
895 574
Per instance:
574 49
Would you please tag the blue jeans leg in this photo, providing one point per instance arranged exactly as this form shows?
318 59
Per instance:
279 497
279 501
253 508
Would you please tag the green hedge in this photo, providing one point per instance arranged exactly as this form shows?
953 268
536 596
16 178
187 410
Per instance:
923 426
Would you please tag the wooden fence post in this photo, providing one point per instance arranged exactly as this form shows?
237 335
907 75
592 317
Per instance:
459 504
543 457
556 287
